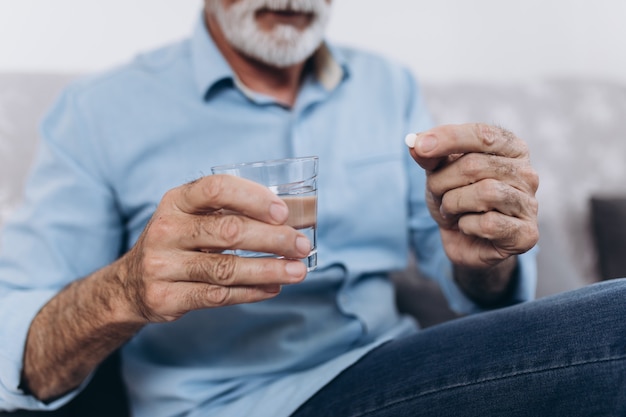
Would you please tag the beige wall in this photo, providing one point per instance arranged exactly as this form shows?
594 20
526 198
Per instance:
440 39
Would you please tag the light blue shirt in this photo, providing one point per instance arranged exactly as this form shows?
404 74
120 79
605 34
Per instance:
115 143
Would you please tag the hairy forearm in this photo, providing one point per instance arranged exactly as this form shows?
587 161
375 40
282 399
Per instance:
488 287
74 332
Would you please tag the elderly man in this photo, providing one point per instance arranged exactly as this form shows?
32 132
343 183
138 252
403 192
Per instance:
120 241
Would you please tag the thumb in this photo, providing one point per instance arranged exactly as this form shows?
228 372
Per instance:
420 146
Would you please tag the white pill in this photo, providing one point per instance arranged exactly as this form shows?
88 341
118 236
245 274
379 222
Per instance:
410 139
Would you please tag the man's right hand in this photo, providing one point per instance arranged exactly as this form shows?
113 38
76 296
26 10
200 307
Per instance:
177 264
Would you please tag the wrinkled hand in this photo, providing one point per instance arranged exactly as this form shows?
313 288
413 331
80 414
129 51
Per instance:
177 264
481 191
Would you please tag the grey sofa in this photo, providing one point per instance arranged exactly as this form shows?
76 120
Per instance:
576 131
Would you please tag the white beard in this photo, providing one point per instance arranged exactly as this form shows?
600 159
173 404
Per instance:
285 45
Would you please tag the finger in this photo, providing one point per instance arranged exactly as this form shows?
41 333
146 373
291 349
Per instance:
216 192
235 271
217 232
186 296
222 280
488 195
509 235
483 253
195 296
430 149
474 167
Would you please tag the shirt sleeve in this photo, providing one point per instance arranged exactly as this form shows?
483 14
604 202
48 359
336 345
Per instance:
66 228
424 231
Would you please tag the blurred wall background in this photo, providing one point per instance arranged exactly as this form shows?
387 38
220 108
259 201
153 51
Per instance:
502 40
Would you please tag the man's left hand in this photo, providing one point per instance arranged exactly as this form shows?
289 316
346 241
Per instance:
480 190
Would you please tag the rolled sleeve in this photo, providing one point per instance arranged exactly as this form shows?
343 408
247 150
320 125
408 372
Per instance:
66 228
525 286
18 309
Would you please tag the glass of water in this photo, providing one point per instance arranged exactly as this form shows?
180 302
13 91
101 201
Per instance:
294 180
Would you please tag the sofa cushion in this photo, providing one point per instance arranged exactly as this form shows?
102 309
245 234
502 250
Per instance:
608 218
24 98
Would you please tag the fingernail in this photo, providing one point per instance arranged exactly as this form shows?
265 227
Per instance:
272 289
410 139
427 143
296 269
279 212
303 245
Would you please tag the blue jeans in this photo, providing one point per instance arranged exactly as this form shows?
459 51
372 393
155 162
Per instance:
563 355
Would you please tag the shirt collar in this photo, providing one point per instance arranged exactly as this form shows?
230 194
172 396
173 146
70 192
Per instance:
330 67
210 68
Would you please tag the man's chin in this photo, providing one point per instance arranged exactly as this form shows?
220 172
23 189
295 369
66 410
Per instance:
281 51
278 59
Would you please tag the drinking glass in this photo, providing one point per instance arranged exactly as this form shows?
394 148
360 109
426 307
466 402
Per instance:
294 180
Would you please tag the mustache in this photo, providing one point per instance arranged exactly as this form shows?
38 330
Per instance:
300 6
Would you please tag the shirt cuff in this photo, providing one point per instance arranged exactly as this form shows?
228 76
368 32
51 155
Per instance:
18 309
525 287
